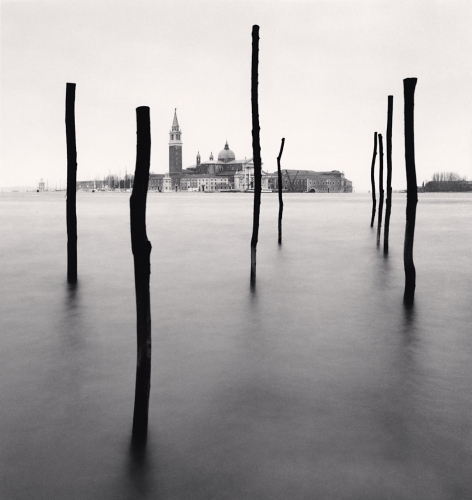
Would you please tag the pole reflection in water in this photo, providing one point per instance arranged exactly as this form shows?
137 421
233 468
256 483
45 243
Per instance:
138 470
319 383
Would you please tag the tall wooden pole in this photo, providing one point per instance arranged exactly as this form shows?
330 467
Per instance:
279 182
372 180
388 204
71 213
141 248
381 189
256 150
409 85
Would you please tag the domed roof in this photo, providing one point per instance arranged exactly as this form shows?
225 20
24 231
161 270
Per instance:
226 154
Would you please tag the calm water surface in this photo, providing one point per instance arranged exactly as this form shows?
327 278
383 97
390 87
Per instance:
318 384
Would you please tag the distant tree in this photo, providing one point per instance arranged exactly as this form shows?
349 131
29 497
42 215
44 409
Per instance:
447 181
447 177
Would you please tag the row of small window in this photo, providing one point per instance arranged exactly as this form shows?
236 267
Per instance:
206 182
326 182
302 181
177 136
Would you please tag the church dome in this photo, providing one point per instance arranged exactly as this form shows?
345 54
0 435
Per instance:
226 154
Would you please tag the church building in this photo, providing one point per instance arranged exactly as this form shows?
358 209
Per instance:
226 164
227 173
224 167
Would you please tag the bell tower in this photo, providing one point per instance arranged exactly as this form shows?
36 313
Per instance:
175 150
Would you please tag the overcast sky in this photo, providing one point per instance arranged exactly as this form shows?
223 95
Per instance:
326 69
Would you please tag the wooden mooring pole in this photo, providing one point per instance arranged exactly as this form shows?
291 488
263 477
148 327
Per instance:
388 203
381 189
256 149
372 180
279 182
71 213
141 248
409 85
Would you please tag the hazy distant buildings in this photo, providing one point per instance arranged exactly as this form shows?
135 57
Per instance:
303 181
229 173
226 173
155 182
167 184
205 182
244 179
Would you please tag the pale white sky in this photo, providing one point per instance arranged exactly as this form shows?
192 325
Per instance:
326 69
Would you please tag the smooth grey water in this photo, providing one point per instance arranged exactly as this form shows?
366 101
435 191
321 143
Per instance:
319 384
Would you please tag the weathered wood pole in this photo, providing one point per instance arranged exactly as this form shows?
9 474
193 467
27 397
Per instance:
141 248
409 85
279 182
256 150
71 213
388 203
372 180
381 189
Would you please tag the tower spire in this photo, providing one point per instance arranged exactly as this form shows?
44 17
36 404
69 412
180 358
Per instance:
175 123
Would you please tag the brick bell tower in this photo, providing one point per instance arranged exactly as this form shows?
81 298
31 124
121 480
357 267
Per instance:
175 152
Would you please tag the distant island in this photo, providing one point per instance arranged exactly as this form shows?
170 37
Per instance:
224 174
446 182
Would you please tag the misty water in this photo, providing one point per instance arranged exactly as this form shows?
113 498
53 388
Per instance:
318 384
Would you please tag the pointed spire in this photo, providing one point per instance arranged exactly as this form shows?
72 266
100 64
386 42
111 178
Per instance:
175 123
226 145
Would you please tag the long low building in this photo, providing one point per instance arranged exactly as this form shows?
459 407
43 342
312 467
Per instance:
205 182
303 181
299 181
